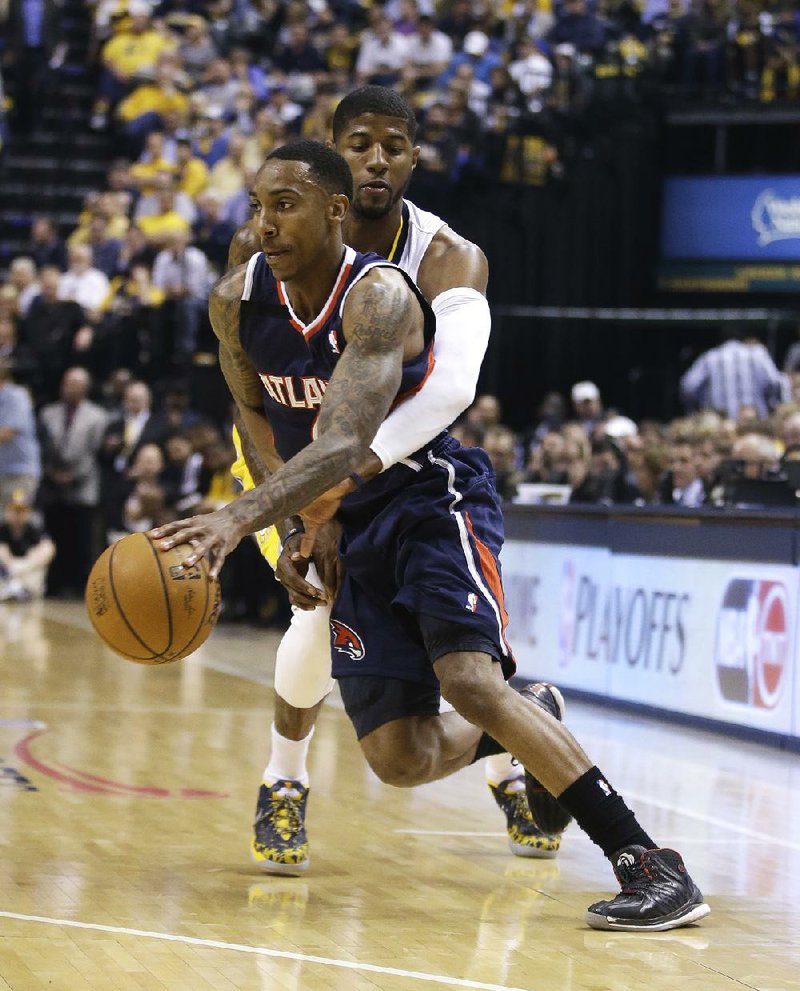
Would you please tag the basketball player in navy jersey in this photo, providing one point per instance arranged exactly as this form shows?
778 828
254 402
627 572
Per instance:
374 129
320 341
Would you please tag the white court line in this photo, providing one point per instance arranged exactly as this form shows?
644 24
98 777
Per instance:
724 824
577 835
215 944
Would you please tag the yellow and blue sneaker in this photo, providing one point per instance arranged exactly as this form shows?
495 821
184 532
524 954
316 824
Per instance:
280 844
525 839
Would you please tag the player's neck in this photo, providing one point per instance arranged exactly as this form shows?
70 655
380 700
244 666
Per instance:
369 234
309 291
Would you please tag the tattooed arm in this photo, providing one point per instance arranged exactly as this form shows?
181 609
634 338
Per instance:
383 326
244 244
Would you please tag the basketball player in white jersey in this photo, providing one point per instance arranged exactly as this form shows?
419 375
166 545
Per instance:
374 129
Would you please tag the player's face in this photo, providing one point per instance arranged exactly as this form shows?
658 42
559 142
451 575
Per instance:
381 157
293 216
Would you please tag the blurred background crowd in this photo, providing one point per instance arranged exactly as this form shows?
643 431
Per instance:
113 415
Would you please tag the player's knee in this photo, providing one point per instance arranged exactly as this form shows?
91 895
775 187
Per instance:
396 758
303 662
469 685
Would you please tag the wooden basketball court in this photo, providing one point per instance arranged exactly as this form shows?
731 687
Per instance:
125 816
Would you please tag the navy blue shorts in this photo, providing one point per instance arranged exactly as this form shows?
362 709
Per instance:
422 538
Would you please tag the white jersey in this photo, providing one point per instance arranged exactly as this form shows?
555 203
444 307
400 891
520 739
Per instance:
417 229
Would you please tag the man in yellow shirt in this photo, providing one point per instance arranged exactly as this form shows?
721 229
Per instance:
144 109
132 52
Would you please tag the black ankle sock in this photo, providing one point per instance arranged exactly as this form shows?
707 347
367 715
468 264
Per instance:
602 814
487 746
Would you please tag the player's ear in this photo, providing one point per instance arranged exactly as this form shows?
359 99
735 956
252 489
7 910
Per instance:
338 206
415 155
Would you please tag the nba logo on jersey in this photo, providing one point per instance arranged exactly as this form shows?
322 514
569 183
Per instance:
472 602
333 342
346 641
753 644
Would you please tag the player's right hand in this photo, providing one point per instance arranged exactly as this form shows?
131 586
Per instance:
291 570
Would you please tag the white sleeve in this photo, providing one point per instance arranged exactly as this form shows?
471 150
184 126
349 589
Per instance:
463 322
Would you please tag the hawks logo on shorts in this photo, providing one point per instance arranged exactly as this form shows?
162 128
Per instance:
347 641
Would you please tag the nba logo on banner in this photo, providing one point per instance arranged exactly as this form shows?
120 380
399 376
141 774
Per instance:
752 644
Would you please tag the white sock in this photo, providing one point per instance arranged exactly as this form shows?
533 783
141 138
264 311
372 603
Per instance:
499 767
288 758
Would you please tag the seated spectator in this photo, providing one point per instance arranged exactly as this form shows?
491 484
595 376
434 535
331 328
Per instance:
197 50
135 340
647 466
46 247
341 49
499 443
607 481
146 504
476 52
213 230
533 73
547 461
182 474
430 51
82 283
588 405
25 552
22 276
131 52
228 176
219 87
383 54
577 25
156 159
485 412
191 172
297 55
757 455
249 73
144 109
155 202
181 270
681 485
105 250
159 228
282 110
790 436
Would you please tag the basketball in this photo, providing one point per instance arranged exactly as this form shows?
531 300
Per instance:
145 607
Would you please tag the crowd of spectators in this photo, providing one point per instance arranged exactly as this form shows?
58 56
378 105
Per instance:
101 331
738 445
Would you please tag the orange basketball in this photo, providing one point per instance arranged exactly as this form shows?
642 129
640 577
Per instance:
145 607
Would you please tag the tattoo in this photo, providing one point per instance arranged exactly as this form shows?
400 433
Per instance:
223 311
255 463
244 244
381 317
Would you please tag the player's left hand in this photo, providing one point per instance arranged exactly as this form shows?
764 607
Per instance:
213 535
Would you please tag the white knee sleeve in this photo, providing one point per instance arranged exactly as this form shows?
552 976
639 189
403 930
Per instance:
303 663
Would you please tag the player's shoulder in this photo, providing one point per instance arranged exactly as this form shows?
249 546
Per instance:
452 260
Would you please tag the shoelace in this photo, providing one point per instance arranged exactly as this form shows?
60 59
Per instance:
285 804
633 877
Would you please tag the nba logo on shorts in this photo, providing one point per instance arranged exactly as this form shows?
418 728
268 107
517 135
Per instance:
752 643
346 641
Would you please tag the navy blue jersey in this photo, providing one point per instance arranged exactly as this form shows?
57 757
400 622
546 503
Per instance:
296 360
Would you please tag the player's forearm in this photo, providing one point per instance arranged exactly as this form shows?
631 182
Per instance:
463 324
349 418
258 446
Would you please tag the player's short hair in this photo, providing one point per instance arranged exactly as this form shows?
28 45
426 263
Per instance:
373 100
327 166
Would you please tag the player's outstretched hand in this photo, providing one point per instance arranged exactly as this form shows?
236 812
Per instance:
213 535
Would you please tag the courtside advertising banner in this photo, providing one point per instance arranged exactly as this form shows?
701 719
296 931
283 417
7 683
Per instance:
715 639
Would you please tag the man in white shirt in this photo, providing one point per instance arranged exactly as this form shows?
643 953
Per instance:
82 283
183 272
384 54
532 72
430 50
